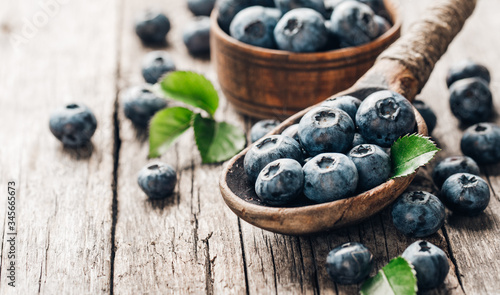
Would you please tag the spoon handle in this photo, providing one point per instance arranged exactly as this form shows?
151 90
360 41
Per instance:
407 64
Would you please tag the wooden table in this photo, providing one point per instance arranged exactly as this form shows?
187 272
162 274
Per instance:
84 226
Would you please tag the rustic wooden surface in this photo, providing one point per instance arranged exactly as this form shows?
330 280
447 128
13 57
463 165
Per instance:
77 234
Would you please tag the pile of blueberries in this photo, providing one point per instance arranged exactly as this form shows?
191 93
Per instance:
303 25
336 150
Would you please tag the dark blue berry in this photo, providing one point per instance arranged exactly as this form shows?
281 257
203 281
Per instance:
73 124
329 177
286 5
140 104
418 214
384 116
157 180
227 9
255 25
465 194
373 165
268 149
301 30
481 142
467 69
280 182
348 104
354 23
471 101
152 27
427 113
201 7
453 165
383 25
261 128
349 263
292 131
156 64
324 129
196 35
430 263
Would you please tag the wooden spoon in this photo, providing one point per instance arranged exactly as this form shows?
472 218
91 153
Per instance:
405 68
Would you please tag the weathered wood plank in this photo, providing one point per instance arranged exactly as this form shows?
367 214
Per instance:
187 244
64 196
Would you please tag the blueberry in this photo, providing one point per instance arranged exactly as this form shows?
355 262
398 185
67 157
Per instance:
140 104
430 263
358 139
287 5
349 263
467 69
152 27
254 25
471 101
157 181
292 131
354 23
418 214
227 9
324 129
383 25
280 182
373 165
465 194
481 142
427 113
301 30
452 165
261 128
196 35
155 64
73 124
348 104
268 149
384 116
329 177
201 7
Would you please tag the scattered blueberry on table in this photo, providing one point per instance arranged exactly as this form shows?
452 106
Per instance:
156 64
196 35
157 180
201 7
465 194
349 263
73 124
261 128
140 104
418 214
467 69
280 182
481 142
471 100
452 165
152 27
430 263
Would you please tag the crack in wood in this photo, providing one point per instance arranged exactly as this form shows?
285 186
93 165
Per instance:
315 273
245 267
452 258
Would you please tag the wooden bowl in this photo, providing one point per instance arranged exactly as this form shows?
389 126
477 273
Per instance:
266 83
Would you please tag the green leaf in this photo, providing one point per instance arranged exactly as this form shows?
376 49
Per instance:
410 152
396 278
166 126
217 141
191 88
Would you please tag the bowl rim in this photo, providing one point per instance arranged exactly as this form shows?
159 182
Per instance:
341 53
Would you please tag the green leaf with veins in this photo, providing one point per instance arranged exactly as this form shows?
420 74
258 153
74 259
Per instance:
191 88
396 278
166 126
217 141
410 152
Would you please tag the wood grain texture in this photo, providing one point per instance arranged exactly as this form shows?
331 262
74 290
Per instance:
64 196
193 243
